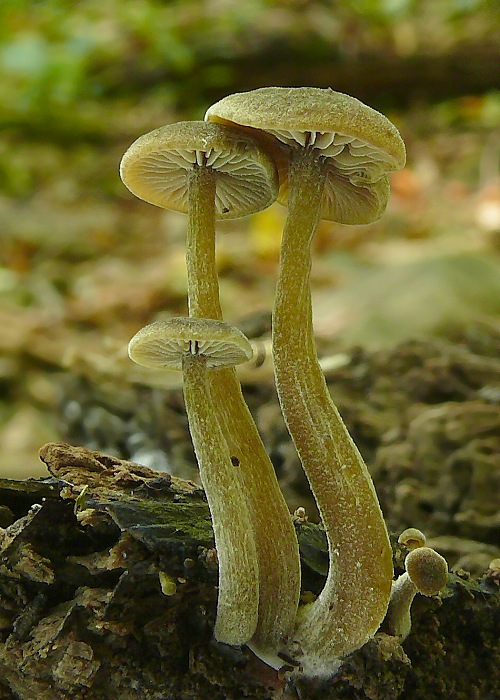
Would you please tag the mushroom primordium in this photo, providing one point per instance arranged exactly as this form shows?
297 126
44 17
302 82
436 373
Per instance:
198 346
426 573
333 154
412 538
211 172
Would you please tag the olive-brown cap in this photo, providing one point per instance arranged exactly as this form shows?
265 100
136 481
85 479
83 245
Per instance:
156 168
164 344
428 570
360 144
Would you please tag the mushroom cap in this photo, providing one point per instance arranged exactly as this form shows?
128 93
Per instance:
412 538
360 145
156 168
427 570
164 344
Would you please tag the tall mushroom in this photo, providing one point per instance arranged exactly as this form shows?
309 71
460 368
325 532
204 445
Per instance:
210 171
196 346
333 154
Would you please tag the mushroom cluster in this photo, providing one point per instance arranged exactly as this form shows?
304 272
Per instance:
324 155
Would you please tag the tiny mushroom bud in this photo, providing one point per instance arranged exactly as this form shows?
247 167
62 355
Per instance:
167 584
333 154
197 346
411 538
426 573
493 572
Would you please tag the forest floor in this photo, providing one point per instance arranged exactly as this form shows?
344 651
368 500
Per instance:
408 337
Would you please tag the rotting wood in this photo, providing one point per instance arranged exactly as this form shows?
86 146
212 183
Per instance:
82 614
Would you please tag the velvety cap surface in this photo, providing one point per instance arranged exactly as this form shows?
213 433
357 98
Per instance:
360 144
427 570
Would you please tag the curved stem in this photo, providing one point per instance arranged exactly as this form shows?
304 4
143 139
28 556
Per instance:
398 619
355 597
276 542
277 547
238 572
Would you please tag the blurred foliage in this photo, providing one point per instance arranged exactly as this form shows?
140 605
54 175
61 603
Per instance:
83 264
60 60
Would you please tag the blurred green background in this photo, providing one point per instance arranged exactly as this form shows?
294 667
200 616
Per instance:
83 264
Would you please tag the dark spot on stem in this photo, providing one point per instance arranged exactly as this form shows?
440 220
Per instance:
235 461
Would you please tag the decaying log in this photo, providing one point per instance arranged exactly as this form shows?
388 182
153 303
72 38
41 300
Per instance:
108 590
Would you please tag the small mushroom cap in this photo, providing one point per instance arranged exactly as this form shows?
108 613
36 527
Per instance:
427 569
156 168
164 344
412 538
360 144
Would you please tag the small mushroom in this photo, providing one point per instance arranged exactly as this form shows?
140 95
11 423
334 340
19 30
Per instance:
209 172
412 538
164 344
198 346
426 573
212 171
333 155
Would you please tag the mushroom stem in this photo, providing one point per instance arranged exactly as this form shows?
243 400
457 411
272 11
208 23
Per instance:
202 280
277 547
398 618
276 542
354 599
238 570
